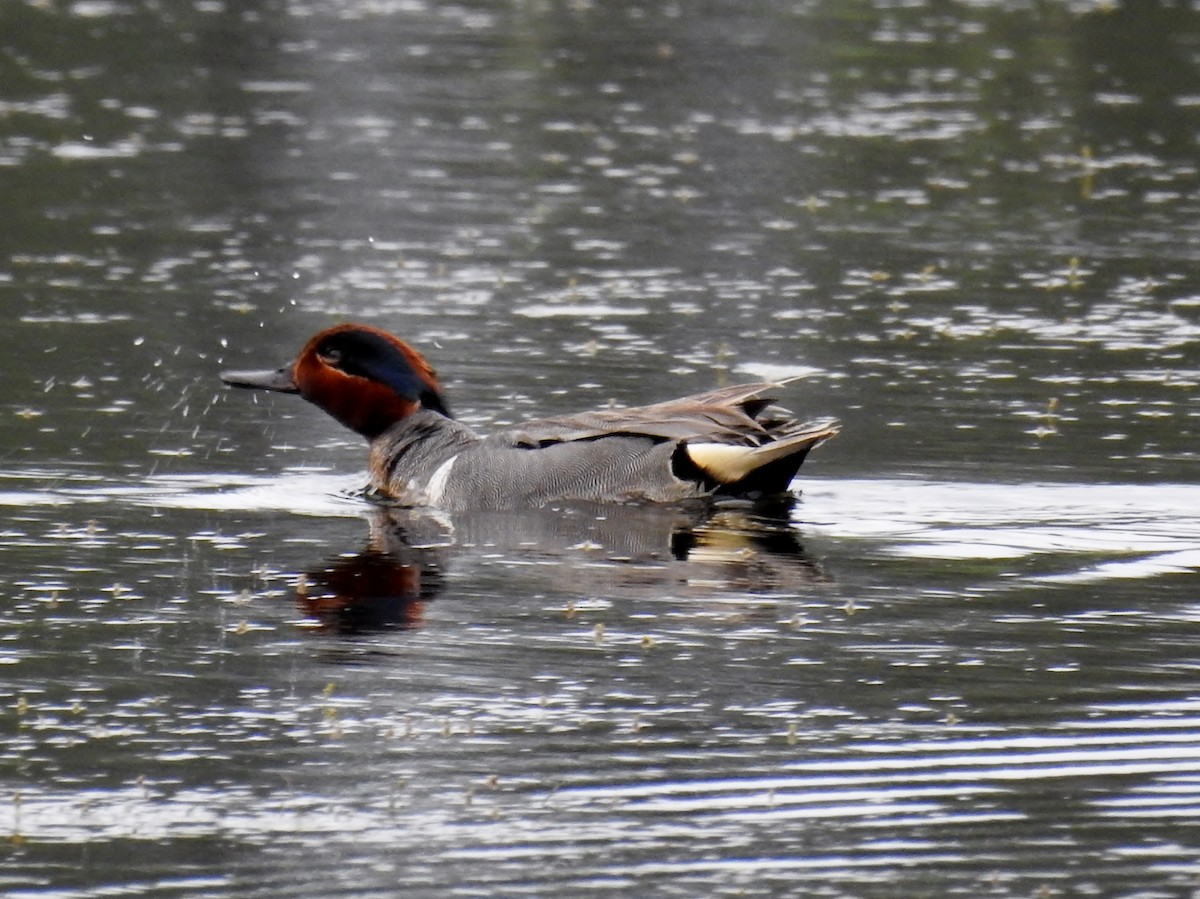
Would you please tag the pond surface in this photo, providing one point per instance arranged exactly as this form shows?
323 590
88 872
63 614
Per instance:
962 663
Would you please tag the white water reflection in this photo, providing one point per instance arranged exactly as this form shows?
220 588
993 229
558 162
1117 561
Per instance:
300 493
1151 529
1153 566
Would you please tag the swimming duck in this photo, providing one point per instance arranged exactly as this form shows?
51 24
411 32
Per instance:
727 442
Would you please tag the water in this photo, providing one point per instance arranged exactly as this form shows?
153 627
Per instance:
961 664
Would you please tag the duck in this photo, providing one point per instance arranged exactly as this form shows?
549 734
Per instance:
730 442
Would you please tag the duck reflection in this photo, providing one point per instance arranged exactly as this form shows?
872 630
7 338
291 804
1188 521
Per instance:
371 590
612 551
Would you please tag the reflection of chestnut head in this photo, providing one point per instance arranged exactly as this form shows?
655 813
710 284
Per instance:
368 592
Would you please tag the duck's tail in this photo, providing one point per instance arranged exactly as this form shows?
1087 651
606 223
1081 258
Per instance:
740 470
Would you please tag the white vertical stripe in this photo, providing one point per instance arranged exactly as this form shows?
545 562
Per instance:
436 488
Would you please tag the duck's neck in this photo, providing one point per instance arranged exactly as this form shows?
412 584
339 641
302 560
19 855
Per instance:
410 451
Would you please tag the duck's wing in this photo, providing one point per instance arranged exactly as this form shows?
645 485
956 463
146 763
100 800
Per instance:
729 441
742 414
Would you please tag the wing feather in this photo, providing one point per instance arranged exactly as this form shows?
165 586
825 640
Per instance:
725 415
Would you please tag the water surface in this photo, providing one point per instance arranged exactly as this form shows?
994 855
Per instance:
962 663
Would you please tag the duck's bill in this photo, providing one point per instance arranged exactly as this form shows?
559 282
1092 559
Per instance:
279 381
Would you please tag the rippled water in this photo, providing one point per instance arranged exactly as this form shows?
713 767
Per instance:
905 685
962 663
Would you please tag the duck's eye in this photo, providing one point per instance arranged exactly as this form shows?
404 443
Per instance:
330 355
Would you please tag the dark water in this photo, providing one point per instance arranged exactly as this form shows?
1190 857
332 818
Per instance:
964 663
